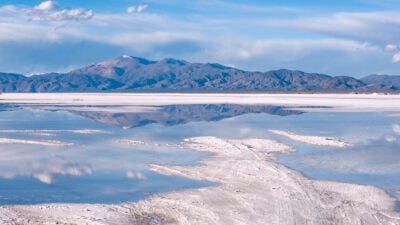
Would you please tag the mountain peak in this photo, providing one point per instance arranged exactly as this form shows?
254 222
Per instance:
130 59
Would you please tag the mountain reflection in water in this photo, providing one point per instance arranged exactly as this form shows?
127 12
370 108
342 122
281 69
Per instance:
168 115
181 114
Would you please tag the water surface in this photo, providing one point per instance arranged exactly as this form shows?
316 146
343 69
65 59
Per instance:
104 167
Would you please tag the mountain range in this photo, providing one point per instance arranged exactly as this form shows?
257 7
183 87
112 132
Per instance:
133 74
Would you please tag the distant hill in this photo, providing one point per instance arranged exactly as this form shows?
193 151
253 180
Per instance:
135 74
393 81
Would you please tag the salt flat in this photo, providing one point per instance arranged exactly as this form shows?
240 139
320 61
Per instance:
338 102
251 188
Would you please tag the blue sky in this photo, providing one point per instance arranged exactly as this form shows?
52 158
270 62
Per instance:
353 37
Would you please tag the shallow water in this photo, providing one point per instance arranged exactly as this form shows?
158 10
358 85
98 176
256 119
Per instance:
104 167
374 158
97 168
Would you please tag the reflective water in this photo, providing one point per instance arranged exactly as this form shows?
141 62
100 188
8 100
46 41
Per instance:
97 168
107 163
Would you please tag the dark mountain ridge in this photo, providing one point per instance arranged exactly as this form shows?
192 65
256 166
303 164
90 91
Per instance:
135 74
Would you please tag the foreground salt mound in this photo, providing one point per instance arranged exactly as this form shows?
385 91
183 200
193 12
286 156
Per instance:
250 189
255 190
313 140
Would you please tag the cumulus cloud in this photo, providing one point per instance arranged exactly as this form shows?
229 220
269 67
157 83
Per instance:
47 6
49 11
396 57
136 9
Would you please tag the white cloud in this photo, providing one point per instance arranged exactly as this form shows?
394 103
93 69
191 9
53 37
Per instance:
379 27
391 47
131 9
65 14
140 8
396 128
47 6
45 11
396 58
136 9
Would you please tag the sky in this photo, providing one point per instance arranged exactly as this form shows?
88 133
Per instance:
338 37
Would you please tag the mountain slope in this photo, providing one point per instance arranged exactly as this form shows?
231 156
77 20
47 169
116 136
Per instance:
9 82
135 74
387 80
